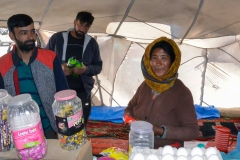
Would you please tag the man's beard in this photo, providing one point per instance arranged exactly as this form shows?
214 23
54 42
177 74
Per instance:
24 47
79 35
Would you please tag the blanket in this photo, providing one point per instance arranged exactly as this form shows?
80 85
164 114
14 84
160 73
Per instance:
115 114
107 114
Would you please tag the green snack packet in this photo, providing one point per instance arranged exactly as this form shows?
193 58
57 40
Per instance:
71 62
77 65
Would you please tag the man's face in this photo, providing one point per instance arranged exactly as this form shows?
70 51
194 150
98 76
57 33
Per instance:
81 28
24 37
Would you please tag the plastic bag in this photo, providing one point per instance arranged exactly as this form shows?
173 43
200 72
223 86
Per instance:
116 153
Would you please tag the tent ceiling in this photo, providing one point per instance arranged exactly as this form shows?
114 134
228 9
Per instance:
216 18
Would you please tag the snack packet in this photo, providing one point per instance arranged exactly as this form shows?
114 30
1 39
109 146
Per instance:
116 153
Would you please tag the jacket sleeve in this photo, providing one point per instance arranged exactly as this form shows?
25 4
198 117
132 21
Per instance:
60 79
96 65
1 82
133 103
51 43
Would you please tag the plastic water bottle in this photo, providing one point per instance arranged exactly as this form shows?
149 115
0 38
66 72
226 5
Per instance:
6 141
25 124
141 135
68 112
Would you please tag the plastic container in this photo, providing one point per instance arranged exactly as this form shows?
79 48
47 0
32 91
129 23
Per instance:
25 124
68 112
141 135
6 141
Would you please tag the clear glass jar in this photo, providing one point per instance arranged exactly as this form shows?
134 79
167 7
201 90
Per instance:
25 123
141 135
68 112
6 142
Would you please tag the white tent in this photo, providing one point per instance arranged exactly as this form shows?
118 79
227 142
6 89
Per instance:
207 32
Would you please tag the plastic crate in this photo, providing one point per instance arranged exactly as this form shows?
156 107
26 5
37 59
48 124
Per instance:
99 144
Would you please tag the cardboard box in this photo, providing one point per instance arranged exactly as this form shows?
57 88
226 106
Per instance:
55 152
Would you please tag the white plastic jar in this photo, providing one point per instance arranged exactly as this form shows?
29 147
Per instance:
141 135
25 123
68 112
6 142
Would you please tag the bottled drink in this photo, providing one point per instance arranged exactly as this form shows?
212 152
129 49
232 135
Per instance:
141 135
77 65
71 62
25 124
68 112
6 141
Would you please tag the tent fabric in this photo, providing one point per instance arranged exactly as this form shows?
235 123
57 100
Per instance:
188 19
212 75
207 32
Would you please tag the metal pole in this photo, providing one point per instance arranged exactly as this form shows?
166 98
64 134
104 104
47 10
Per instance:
99 85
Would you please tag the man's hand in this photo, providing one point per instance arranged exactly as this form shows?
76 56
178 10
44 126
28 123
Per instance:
79 70
67 71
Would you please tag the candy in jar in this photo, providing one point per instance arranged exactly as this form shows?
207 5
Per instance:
6 141
25 123
68 112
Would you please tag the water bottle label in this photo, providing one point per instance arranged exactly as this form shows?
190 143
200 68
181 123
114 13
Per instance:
70 125
29 137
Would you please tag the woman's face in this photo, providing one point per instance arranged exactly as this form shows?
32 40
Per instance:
160 62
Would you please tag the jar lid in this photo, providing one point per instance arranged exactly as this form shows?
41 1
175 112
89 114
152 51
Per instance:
141 127
65 95
19 99
3 93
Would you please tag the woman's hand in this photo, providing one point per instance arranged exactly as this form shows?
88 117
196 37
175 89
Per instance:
157 130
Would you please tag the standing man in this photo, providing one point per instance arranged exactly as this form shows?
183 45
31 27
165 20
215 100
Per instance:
77 43
28 69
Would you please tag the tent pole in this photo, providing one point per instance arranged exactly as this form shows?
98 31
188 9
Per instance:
204 76
194 20
45 12
125 16
98 82
100 92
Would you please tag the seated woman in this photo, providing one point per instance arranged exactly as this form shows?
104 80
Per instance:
162 99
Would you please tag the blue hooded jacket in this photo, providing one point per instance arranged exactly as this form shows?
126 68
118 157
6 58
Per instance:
90 55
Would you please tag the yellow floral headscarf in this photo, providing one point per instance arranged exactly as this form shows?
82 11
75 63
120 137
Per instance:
160 84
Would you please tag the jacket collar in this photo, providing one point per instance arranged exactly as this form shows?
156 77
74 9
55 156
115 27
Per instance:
16 59
87 38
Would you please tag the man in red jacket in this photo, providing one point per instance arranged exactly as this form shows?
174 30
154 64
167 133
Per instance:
28 69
